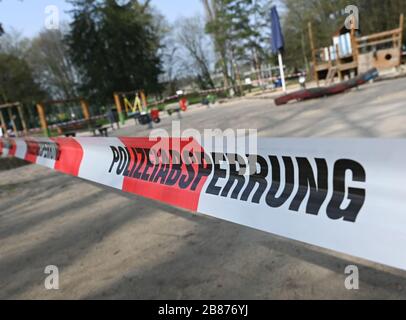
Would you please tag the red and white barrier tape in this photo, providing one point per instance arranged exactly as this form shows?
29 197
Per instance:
344 195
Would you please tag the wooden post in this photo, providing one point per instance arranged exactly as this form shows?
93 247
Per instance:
117 101
315 74
330 60
144 100
23 122
338 63
126 104
354 46
43 119
13 123
3 124
85 109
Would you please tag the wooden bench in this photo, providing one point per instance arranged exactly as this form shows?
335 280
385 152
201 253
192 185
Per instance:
71 129
103 130
174 108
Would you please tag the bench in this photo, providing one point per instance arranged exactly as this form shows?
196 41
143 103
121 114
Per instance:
71 129
142 118
174 108
103 130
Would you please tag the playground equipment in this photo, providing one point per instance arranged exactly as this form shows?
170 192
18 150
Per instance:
319 92
136 108
10 107
178 107
66 126
381 50
351 55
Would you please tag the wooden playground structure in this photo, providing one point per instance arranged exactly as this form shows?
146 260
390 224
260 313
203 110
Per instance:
139 105
350 55
41 108
70 128
9 107
136 108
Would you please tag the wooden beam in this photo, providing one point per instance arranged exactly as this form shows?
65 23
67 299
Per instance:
354 45
315 74
22 118
126 104
383 34
144 100
394 40
3 124
338 61
117 101
85 109
43 119
9 105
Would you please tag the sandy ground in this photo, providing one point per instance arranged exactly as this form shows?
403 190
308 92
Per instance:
113 245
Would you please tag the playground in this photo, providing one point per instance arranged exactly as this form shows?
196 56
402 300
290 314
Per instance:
150 250
76 116
349 62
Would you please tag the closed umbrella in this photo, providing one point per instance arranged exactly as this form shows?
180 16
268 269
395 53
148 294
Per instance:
277 42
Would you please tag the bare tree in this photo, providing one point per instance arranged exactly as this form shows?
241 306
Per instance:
51 64
14 43
172 62
212 9
192 38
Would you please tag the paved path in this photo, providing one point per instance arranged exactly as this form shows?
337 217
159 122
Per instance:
112 245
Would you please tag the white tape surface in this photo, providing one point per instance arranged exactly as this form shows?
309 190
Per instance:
347 195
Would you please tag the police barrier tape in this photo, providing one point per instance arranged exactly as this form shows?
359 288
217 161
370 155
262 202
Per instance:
341 194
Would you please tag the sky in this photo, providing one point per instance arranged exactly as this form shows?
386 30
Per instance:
30 16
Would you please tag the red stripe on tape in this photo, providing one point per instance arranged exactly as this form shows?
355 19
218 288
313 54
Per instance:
70 156
13 148
32 150
175 184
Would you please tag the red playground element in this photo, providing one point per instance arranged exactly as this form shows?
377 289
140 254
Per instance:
155 116
183 104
